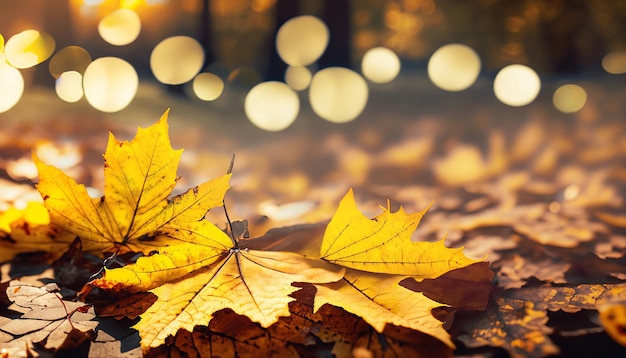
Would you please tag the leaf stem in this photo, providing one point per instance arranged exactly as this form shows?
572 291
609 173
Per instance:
230 225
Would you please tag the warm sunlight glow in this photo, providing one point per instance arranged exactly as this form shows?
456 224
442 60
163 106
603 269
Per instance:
272 106
70 58
615 62
110 84
454 67
569 98
207 86
177 60
28 48
302 40
298 77
516 85
380 65
69 86
120 27
11 85
338 94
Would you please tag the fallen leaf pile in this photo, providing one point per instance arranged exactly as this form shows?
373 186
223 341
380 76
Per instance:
541 199
197 272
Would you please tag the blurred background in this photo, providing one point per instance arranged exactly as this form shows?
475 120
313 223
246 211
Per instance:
402 99
237 38
550 36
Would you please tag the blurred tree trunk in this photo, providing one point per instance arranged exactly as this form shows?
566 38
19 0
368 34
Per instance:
206 33
60 26
284 10
206 41
336 15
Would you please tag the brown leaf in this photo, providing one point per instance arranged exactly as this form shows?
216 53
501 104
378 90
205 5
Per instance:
517 319
45 319
128 306
515 270
467 288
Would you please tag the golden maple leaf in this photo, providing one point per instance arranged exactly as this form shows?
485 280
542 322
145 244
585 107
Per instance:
250 282
384 245
139 176
380 300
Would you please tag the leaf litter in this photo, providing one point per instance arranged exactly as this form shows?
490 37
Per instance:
492 203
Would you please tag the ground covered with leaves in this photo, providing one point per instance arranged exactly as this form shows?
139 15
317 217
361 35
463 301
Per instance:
343 239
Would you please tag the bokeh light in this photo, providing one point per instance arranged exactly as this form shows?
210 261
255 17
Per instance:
569 98
302 40
516 85
11 85
70 58
454 67
69 86
28 48
380 65
176 60
208 86
120 27
338 94
298 77
615 62
110 84
272 106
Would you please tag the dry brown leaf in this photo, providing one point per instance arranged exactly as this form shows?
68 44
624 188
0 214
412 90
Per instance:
515 270
467 288
567 229
517 319
45 320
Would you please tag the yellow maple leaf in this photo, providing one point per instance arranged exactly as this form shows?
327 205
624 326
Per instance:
202 244
384 244
139 176
29 230
250 282
380 300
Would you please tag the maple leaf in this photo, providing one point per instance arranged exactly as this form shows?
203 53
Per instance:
250 282
29 230
383 245
202 244
139 176
45 319
380 300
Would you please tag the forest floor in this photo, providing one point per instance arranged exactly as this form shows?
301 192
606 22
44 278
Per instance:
540 193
